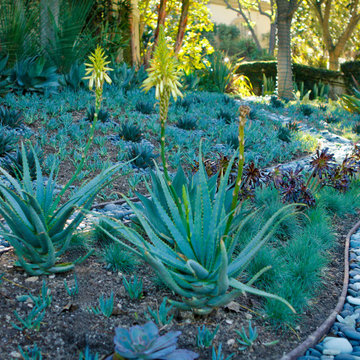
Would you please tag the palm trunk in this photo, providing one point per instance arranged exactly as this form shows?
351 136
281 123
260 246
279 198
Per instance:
48 9
284 64
135 36
182 25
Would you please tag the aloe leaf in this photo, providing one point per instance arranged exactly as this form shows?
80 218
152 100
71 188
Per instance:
240 286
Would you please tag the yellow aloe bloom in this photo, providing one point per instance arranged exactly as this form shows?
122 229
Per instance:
96 70
163 72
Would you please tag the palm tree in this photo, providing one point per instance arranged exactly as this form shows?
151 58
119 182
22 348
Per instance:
285 12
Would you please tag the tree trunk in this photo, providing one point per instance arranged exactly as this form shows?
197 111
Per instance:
135 37
182 25
160 22
48 9
333 60
284 63
272 38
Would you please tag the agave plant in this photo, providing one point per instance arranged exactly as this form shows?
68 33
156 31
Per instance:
38 228
32 75
192 238
13 164
10 118
352 102
145 343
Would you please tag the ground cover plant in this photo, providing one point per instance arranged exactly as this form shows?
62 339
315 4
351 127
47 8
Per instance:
219 242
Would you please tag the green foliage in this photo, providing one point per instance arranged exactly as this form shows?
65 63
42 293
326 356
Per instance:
10 118
310 76
145 107
187 122
17 26
356 129
103 115
127 78
144 342
3 73
134 287
39 228
33 75
232 140
276 102
99 235
204 276
31 353
205 337
74 79
130 132
142 155
247 340
160 315
7 142
284 134
119 259
13 163
226 115
351 71
306 110
269 85
33 320
106 306
73 290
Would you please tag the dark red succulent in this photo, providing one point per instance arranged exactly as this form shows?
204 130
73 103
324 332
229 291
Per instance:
322 163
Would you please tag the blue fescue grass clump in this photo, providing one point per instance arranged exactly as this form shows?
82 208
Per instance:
298 251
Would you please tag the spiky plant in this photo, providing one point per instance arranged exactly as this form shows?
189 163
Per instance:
38 228
164 75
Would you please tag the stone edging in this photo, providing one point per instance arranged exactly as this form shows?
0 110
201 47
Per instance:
323 329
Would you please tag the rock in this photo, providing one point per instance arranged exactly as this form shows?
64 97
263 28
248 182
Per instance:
331 352
32 279
346 357
308 357
313 352
111 207
353 300
343 345
356 286
230 342
351 333
15 354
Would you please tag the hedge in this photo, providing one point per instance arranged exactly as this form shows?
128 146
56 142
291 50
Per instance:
309 75
351 69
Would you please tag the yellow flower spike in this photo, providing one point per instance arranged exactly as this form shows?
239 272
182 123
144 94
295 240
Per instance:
96 70
164 75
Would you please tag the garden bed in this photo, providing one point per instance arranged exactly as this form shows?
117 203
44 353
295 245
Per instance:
68 326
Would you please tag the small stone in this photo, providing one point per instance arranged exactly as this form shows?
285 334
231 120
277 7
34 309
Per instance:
313 352
343 345
52 276
353 300
308 357
331 352
351 333
356 286
15 355
32 279
230 342
228 321
346 357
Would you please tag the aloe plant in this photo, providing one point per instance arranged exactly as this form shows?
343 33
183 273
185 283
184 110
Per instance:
39 231
191 241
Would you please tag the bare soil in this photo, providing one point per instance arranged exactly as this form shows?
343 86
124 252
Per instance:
68 326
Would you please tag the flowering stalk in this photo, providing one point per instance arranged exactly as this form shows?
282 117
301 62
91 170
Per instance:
163 74
96 73
244 112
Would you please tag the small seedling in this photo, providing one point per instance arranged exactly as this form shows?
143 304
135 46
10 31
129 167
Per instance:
205 337
106 306
87 355
245 340
32 321
74 290
31 353
217 355
134 287
160 315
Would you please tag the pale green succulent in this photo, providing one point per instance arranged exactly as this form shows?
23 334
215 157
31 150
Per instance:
192 234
